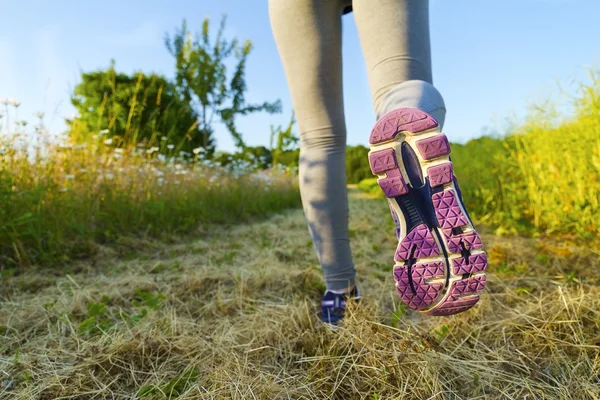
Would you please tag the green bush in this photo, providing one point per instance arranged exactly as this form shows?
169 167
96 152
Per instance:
357 164
289 158
357 160
370 186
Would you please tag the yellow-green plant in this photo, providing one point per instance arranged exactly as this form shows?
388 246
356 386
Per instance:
543 177
59 200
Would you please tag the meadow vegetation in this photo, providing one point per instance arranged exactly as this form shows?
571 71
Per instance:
232 314
68 200
542 177
136 261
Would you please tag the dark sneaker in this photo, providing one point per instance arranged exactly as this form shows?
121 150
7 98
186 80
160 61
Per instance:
440 265
333 305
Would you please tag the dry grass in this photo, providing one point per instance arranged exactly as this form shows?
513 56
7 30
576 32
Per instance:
232 315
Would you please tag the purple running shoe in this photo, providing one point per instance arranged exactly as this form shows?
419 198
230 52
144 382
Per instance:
333 305
439 263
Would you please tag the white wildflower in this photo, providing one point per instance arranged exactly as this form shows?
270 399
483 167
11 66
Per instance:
108 142
118 150
163 138
109 176
152 150
103 132
69 176
170 146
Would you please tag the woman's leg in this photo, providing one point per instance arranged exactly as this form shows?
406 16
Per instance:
394 36
439 262
308 37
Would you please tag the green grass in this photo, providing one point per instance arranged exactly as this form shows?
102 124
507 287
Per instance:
63 204
232 314
542 178
370 186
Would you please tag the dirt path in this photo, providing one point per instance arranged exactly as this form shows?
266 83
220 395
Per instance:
232 314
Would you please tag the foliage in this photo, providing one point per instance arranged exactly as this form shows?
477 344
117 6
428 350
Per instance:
136 108
369 185
543 177
202 77
258 157
357 164
283 142
62 201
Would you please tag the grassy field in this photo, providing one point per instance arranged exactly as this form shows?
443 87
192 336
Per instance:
232 315
63 201
542 178
141 272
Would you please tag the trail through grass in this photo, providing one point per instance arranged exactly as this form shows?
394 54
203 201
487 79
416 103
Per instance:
232 315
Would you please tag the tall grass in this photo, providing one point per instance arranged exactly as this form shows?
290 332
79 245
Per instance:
543 177
59 201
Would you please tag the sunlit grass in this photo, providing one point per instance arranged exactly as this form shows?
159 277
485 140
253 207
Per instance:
59 200
233 315
542 178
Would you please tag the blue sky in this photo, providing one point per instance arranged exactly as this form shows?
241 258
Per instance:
490 58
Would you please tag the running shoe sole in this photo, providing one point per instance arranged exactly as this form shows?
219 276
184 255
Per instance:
439 262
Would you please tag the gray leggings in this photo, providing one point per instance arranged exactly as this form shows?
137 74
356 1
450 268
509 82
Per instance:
394 36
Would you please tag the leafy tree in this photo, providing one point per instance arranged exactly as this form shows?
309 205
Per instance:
286 143
203 79
137 108
289 158
258 157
